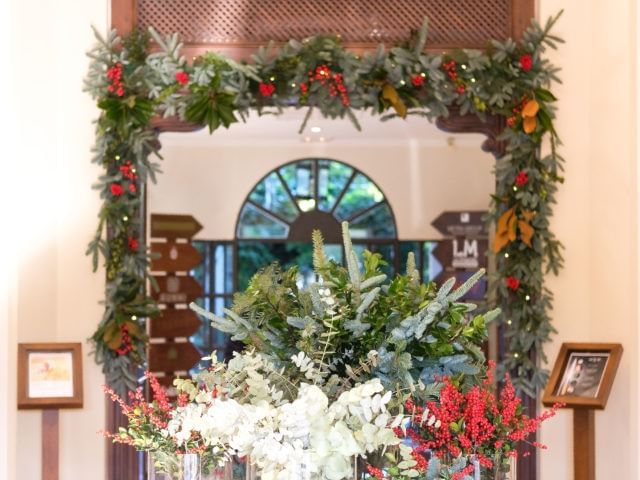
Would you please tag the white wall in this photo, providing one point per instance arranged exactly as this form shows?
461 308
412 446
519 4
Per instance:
596 218
48 194
51 217
211 180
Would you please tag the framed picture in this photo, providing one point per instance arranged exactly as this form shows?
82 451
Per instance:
583 375
49 375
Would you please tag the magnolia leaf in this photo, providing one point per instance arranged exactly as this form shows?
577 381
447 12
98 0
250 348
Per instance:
134 329
390 94
113 336
526 232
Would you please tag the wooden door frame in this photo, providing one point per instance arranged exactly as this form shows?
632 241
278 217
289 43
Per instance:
122 460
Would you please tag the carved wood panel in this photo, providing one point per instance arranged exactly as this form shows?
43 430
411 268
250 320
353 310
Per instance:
237 27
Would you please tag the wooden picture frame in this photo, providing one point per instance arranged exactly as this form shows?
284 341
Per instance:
49 375
583 375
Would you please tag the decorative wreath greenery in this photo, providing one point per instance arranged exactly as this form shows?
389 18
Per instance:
132 84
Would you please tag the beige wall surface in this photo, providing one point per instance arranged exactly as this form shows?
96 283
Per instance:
47 290
212 181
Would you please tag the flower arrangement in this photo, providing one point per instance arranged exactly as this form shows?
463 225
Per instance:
352 370
466 429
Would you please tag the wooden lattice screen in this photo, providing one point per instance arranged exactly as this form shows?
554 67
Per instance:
238 26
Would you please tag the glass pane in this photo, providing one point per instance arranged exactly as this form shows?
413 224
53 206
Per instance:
271 195
228 263
432 267
201 338
334 252
300 178
200 272
219 270
376 223
256 224
332 178
361 194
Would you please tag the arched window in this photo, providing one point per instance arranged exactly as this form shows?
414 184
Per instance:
293 200
282 210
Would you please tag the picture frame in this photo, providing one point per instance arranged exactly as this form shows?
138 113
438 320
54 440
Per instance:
583 375
49 375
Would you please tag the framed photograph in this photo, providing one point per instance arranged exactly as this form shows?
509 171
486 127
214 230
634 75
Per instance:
583 375
49 375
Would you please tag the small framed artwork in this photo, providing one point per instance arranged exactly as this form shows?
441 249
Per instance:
583 375
49 375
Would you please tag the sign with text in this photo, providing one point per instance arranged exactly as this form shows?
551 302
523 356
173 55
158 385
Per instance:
174 257
461 224
176 289
174 226
462 253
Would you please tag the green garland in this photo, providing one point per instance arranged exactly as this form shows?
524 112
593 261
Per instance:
510 79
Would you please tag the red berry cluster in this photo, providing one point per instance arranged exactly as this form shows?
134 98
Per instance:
266 89
334 81
114 74
375 472
182 77
526 62
472 422
522 178
130 176
450 68
133 243
418 80
127 345
512 283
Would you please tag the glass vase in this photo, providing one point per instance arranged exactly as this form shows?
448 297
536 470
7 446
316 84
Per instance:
179 467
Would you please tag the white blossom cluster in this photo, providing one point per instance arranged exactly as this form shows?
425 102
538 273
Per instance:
306 438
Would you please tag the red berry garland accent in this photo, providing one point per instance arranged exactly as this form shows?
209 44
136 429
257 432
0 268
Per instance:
182 77
334 81
522 178
266 89
511 121
450 68
304 88
114 74
128 171
126 345
526 62
417 80
512 283
133 243
116 189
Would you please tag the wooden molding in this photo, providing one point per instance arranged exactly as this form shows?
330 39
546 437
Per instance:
491 127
